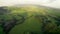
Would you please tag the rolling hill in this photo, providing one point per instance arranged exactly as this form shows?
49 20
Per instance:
30 19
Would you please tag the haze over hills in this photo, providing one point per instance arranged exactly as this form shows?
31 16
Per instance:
50 3
30 19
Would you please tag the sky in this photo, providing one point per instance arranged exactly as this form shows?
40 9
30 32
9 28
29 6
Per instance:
49 3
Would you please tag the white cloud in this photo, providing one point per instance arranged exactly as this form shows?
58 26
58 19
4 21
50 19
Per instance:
50 3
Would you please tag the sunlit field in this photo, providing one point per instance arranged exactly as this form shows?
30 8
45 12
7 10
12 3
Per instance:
29 19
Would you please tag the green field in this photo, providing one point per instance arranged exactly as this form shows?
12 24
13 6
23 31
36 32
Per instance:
38 20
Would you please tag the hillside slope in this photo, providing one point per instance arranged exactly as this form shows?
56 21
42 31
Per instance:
31 20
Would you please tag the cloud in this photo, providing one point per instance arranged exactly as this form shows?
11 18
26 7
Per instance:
50 3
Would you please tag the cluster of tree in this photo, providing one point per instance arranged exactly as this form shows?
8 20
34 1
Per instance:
9 24
50 24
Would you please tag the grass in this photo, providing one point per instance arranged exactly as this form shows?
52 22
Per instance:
31 24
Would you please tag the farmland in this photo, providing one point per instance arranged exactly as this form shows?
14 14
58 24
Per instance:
30 20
